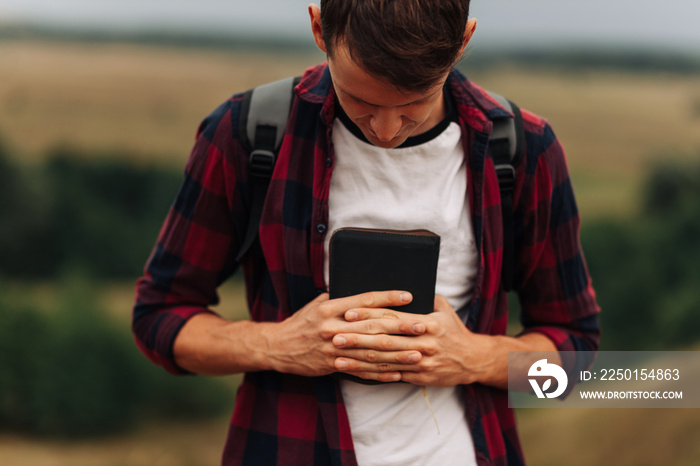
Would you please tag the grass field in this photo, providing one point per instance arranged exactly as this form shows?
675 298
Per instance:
619 437
172 444
148 101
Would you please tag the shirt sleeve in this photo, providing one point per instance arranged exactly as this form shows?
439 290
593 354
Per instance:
554 287
196 247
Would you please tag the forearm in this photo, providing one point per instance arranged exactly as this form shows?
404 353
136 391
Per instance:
208 344
495 370
301 344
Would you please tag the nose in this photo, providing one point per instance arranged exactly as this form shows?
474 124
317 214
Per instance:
386 123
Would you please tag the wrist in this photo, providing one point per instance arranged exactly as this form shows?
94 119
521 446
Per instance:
496 355
260 344
494 370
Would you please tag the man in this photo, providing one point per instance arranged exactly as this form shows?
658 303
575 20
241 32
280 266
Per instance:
388 135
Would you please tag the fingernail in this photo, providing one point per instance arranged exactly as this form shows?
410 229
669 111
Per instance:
339 341
405 297
341 364
351 315
418 328
415 357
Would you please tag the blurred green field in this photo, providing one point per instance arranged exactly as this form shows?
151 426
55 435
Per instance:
146 102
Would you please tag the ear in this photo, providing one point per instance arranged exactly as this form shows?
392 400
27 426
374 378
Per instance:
468 33
315 15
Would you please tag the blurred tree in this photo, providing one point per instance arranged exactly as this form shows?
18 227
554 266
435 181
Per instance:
100 214
646 271
70 371
27 234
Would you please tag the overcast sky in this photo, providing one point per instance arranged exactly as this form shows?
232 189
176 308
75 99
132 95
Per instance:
639 23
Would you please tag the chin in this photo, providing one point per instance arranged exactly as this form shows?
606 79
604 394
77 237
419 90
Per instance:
388 145
392 144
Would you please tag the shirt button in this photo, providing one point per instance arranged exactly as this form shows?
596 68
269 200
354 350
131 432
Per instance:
329 162
321 228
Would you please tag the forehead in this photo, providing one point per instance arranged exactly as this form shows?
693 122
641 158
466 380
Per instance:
351 79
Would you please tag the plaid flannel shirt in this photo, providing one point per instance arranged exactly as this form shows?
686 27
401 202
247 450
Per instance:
293 420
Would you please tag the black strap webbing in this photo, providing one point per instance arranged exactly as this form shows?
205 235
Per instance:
263 118
506 153
260 166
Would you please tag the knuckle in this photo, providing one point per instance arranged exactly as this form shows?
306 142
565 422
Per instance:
371 356
385 342
384 367
351 341
432 327
428 365
371 327
326 332
367 299
324 308
429 349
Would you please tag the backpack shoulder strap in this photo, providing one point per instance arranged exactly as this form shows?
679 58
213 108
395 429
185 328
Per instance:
263 119
507 146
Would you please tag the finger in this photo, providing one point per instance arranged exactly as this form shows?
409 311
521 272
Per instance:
386 326
354 366
379 376
377 357
380 342
323 297
372 299
416 378
441 304
357 314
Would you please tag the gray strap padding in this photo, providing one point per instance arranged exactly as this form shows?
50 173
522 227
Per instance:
269 106
504 127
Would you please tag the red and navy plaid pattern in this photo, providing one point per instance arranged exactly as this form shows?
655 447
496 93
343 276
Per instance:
293 420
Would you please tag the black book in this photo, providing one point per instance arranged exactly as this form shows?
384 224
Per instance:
364 260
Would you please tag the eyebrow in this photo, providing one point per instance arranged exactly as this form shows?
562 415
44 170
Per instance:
375 105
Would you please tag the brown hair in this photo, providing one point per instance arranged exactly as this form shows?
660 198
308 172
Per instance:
409 43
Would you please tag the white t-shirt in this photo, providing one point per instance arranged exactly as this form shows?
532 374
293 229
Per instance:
422 186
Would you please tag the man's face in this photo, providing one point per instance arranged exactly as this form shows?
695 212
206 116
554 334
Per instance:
385 115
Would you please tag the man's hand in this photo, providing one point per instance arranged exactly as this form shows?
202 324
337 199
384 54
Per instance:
305 343
451 354
301 344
